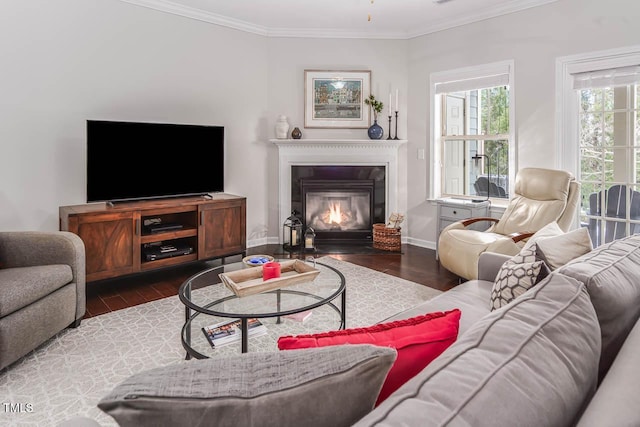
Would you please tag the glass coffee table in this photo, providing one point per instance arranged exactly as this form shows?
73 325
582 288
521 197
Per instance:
208 301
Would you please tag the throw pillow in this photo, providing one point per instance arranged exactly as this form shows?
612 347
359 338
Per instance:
559 250
516 276
550 230
317 387
418 341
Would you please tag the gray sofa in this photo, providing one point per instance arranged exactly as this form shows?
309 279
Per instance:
562 354
42 289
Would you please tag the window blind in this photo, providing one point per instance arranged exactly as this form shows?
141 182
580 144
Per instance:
607 78
463 85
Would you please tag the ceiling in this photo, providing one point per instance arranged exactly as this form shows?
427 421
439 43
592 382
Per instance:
376 19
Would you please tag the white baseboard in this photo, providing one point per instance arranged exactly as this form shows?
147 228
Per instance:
420 243
263 241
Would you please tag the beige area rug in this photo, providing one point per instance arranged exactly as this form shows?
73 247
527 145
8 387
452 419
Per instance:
69 374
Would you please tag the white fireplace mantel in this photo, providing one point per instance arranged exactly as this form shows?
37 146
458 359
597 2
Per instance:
341 152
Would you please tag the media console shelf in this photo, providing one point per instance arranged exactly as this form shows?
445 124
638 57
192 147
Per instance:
130 237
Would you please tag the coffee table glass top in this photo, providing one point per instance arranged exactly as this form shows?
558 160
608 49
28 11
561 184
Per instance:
209 301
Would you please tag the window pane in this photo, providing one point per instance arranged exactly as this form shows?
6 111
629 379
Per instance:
615 165
608 128
637 127
636 156
591 100
591 164
608 99
476 168
494 115
591 129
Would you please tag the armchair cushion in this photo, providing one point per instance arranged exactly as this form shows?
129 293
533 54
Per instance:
24 285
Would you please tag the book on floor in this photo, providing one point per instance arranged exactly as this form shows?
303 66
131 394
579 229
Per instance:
224 333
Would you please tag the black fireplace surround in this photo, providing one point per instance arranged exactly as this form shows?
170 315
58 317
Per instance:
341 203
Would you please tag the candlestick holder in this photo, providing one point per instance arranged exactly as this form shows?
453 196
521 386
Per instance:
389 137
396 126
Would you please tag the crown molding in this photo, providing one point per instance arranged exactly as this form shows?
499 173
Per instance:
200 15
488 13
212 18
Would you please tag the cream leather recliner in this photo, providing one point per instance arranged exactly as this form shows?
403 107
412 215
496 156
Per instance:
541 196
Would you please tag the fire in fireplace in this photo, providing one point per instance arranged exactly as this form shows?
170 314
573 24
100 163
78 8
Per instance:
339 210
341 203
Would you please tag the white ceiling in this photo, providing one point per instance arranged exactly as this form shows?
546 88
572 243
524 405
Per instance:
390 19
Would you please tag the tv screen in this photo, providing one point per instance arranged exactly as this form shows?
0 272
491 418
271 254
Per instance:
128 160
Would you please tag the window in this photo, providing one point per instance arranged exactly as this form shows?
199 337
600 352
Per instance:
609 157
599 102
473 149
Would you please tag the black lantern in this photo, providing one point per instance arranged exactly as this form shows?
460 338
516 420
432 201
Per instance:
292 232
309 239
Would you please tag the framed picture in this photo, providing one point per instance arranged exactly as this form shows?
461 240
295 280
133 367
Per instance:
335 99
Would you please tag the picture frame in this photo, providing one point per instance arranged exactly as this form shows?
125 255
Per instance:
335 99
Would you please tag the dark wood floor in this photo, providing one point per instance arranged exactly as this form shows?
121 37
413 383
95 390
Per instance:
415 264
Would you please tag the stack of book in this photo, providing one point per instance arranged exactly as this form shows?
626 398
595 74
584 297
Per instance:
227 332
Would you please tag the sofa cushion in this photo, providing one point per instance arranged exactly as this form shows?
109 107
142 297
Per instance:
558 250
418 341
469 297
516 276
22 286
317 387
531 363
617 400
611 273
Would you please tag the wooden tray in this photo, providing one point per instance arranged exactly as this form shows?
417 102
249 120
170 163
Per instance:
249 281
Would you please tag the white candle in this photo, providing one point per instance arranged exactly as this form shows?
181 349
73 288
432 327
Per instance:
396 99
389 106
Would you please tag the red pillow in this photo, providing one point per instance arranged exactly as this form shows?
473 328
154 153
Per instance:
418 341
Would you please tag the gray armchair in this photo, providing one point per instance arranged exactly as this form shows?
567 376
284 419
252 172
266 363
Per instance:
42 289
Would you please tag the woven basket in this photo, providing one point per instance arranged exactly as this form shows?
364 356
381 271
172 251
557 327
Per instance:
387 239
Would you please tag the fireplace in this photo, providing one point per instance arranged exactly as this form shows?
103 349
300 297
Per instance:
335 160
341 203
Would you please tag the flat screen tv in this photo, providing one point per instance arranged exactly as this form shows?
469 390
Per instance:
133 161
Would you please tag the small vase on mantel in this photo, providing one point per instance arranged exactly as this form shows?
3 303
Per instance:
296 134
375 131
282 127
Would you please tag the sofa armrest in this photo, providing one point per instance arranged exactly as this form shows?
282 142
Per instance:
489 264
31 248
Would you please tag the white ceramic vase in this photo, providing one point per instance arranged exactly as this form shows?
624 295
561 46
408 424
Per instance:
282 127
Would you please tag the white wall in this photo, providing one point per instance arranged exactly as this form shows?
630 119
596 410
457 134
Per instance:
533 38
67 61
290 57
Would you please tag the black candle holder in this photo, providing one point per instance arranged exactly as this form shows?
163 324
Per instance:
396 126
389 137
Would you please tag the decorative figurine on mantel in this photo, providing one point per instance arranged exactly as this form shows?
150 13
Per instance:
375 131
296 134
282 127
